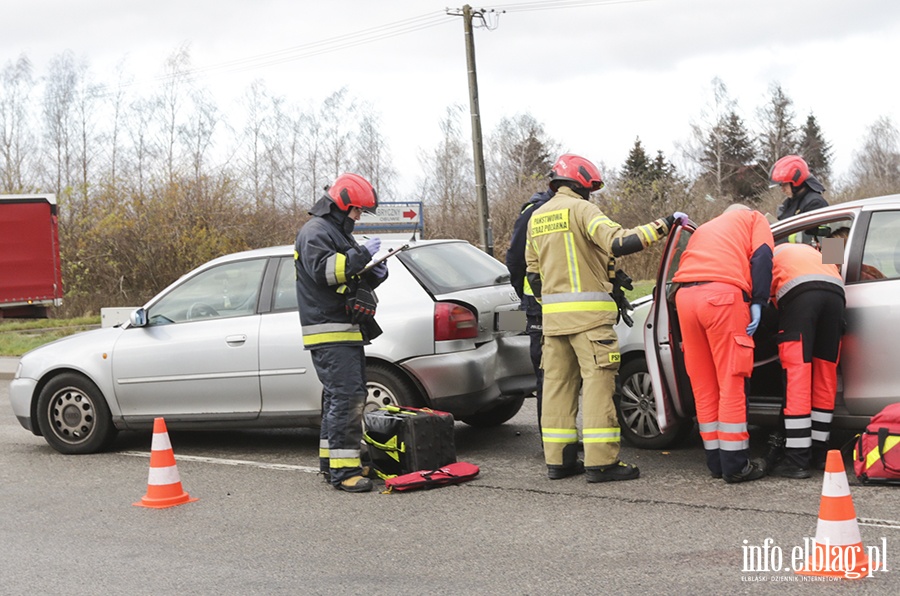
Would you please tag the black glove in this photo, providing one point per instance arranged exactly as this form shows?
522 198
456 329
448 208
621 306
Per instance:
361 304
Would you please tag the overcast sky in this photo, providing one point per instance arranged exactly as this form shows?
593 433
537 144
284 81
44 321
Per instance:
596 73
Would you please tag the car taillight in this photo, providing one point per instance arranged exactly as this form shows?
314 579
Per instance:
452 321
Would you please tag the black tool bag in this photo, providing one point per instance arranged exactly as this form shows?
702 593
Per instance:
402 440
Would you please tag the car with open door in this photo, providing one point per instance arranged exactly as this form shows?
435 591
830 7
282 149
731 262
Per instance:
868 375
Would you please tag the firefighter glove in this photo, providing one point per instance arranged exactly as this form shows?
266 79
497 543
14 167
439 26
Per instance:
362 304
373 245
755 315
380 271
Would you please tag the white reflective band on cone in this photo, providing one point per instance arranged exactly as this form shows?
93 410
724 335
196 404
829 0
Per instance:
163 476
839 533
160 442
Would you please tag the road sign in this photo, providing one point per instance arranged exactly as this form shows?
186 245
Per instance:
394 217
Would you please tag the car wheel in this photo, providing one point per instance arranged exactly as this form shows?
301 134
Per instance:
636 410
73 415
495 416
388 387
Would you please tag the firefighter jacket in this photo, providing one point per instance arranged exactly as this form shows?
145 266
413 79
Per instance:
806 197
734 248
797 268
570 251
327 260
515 256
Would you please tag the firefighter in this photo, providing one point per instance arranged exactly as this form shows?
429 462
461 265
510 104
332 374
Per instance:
809 296
337 307
570 251
515 262
803 191
725 268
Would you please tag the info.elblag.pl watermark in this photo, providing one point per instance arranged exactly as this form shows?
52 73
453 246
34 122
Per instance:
824 561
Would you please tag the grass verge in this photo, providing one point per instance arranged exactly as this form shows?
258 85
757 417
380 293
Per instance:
18 336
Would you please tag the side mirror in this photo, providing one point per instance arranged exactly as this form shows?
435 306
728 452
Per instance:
138 318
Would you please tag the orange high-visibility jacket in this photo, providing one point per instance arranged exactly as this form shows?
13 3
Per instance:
722 250
796 264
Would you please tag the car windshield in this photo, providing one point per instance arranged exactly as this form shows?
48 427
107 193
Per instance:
453 266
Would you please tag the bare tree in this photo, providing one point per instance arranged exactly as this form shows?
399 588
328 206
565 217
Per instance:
449 187
58 109
17 141
337 118
171 102
372 157
876 167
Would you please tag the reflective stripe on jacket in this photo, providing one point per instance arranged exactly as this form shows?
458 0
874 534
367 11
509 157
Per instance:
569 249
325 258
796 264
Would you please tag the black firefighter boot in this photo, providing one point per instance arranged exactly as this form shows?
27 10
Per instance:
572 466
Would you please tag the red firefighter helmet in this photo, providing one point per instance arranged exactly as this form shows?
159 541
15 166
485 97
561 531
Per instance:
352 190
790 169
574 168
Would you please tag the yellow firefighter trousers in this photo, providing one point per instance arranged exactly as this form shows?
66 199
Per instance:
588 361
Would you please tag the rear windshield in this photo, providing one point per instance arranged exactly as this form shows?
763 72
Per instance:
453 266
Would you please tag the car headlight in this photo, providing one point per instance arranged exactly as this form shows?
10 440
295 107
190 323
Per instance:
18 371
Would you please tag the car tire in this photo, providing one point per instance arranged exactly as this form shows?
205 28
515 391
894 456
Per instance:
388 387
73 415
495 416
636 410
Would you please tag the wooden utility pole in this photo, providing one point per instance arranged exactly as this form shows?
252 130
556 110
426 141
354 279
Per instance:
486 235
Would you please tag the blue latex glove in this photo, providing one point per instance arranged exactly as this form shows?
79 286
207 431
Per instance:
755 315
679 215
380 270
373 245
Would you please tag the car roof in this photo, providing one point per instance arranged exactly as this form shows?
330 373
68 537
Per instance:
387 241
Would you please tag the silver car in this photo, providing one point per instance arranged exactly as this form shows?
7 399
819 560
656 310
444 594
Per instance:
656 406
222 348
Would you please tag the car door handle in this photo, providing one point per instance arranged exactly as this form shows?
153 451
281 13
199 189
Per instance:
235 340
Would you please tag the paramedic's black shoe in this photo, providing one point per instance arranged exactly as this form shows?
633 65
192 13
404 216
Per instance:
617 471
775 451
560 472
355 484
754 470
787 469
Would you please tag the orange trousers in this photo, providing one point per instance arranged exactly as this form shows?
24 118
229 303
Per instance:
718 355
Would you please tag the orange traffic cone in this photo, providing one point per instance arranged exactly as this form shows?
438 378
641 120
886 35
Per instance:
838 549
163 485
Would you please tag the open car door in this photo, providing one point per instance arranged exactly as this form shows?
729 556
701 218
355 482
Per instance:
662 341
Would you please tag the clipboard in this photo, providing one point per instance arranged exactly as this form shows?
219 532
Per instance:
383 258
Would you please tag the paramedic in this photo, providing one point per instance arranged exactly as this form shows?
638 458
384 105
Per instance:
724 278
809 296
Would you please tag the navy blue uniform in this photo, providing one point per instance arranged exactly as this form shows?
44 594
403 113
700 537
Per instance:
327 258
515 262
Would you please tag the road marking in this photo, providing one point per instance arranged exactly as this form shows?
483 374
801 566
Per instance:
879 523
231 462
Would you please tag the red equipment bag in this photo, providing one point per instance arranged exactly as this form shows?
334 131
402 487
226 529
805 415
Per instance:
876 456
454 473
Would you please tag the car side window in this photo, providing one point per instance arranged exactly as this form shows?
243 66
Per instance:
228 290
285 287
881 253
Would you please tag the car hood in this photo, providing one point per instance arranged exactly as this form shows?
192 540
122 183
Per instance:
87 352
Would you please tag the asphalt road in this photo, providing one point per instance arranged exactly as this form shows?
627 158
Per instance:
266 524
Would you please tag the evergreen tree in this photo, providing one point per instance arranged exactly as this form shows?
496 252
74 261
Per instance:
779 134
637 166
815 149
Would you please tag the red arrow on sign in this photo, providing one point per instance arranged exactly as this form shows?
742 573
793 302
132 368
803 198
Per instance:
409 214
